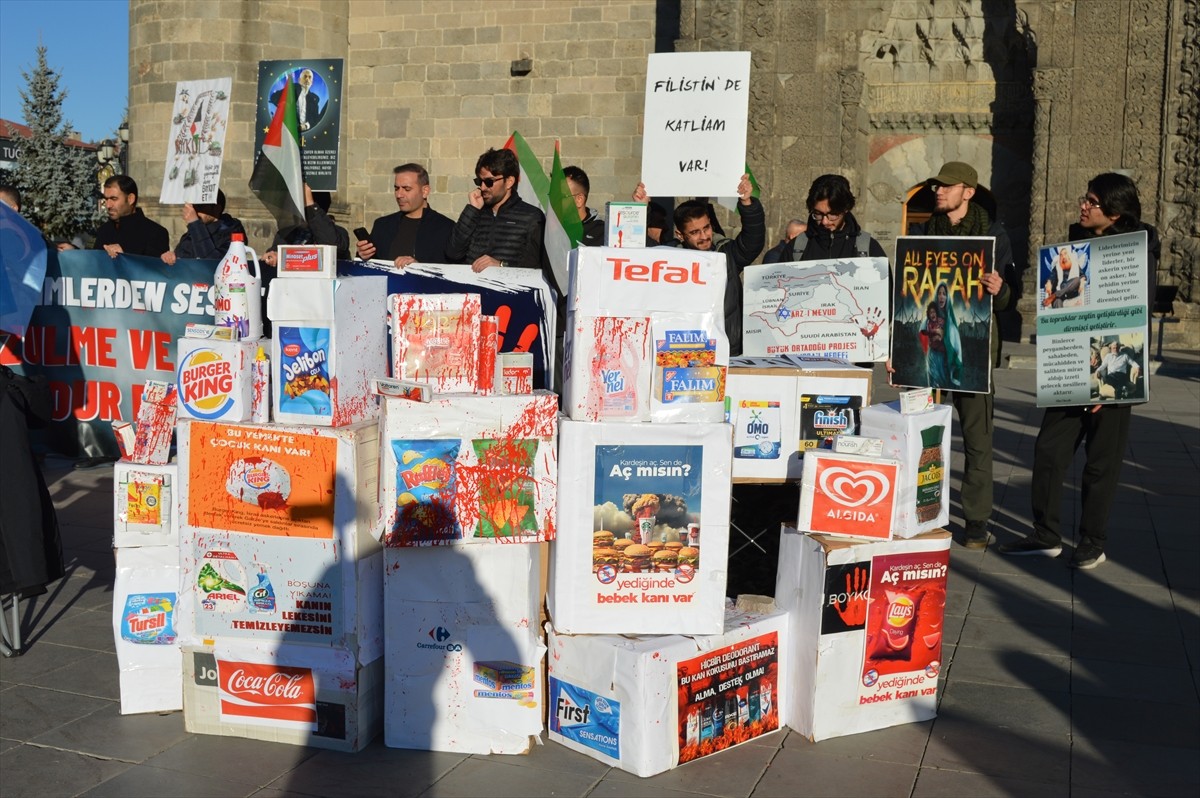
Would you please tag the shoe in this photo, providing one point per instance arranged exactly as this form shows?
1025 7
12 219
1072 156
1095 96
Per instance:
88 463
1087 556
977 535
1030 545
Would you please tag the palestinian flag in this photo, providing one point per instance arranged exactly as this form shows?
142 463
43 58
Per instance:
278 179
534 187
564 229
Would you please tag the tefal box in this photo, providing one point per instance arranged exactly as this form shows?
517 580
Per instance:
435 339
468 469
283 693
848 495
145 601
330 342
464 654
643 520
865 630
782 406
144 504
279 530
921 444
310 261
645 335
215 379
648 704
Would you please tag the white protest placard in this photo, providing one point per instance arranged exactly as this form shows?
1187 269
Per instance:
694 139
196 142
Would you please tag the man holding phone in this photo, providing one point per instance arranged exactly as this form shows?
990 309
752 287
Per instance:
414 234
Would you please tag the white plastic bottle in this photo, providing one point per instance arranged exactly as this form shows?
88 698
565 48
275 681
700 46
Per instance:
238 294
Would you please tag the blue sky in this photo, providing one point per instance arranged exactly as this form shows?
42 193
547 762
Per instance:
87 43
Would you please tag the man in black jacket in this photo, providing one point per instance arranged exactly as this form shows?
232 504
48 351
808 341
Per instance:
414 234
209 231
497 227
581 187
127 229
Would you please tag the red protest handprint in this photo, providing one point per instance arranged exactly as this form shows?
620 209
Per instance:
853 611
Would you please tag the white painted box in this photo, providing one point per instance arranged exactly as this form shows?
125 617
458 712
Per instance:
144 504
643 529
649 704
921 443
435 339
144 614
865 630
330 342
468 469
464 659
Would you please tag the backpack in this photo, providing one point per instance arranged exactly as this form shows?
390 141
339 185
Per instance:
862 245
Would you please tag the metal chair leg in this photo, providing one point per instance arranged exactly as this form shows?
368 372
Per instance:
10 638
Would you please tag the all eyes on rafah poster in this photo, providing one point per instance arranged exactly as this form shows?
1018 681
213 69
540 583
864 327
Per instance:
942 315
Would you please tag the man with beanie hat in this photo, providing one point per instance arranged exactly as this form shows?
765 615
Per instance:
954 215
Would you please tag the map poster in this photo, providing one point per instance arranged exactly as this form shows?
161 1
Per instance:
834 309
1092 322
942 323
317 84
196 142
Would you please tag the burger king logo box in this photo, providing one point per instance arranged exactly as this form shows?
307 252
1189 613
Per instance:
921 443
782 406
283 693
215 378
144 504
145 598
330 342
435 339
648 704
643 525
848 495
467 469
865 630
463 661
645 335
278 534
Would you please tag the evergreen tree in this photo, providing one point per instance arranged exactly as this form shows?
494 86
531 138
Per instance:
58 185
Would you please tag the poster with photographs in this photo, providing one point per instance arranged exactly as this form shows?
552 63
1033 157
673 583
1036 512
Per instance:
196 143
1093 319
317 84
942 315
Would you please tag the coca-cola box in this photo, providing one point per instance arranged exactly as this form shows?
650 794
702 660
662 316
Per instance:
865 623
645 335
284 693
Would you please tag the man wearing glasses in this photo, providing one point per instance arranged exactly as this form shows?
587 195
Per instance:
832 231
955 215
497 227
414 234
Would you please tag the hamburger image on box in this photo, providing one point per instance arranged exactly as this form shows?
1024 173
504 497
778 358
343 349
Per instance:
865 629
330 342
649 704
214 379
657 499
921 444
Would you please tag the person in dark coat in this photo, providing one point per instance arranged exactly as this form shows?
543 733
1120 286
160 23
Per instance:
30 547
209 231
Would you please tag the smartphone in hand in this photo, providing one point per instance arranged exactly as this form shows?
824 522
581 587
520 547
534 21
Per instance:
361 234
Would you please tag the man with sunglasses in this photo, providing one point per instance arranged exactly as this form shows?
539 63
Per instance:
497 227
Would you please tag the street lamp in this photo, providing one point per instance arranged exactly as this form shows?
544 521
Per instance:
105 154
123 153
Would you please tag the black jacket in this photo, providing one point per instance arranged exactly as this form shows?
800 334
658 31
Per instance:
739 253
317 229
208 239
593 230
433 237
822 244
136 234
513 235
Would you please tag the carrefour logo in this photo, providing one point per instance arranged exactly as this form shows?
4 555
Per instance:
440 634
205 380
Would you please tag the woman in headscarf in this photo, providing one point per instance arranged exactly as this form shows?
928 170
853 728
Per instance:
941 341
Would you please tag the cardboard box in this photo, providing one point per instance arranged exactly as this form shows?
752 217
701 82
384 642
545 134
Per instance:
921 443
283 693
278 525
469 469
865 630
308 261
626 489
215 379
464 659
764 400
144 613
435 339
848 495
648 704
144 505
615 294
330 342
